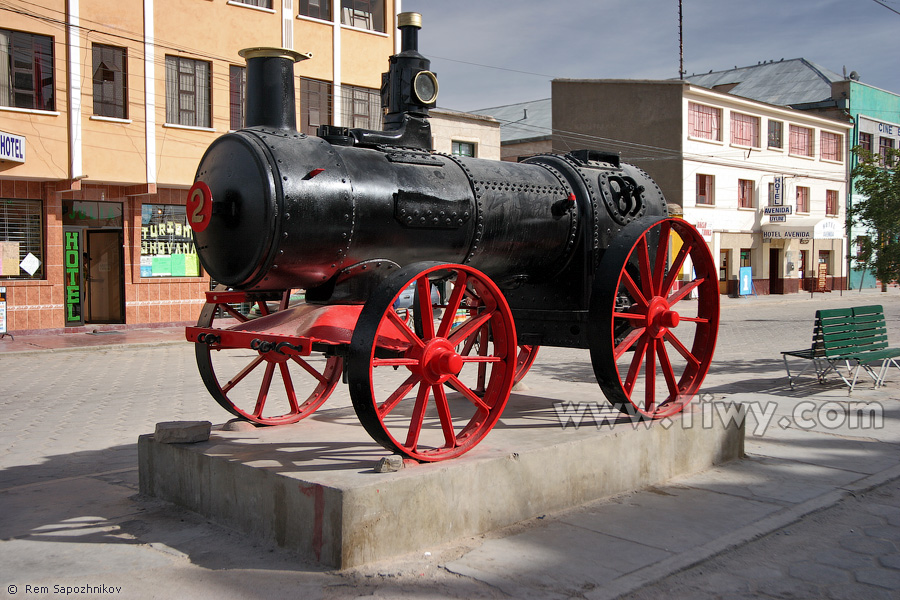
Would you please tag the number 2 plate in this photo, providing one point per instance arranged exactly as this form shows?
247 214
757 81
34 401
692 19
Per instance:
199 206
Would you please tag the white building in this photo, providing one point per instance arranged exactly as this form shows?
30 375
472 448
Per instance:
729 163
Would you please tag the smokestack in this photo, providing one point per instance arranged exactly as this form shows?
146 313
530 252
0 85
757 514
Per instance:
270 100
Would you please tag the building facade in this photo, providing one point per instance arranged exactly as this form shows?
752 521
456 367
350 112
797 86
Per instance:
765 185
105 111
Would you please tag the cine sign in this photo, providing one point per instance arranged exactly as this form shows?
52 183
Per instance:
777 218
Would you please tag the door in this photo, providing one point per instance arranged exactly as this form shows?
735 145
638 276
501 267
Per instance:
776 284
105 286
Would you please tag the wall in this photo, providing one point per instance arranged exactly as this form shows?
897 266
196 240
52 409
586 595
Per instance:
448 126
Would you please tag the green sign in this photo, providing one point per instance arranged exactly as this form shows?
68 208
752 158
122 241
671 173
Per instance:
72 263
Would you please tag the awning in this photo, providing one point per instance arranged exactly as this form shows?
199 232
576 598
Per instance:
803 228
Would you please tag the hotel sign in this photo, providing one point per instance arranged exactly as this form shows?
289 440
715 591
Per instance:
778 192
12 147
777 210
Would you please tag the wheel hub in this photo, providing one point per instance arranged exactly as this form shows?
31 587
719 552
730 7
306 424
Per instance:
660 318
438 361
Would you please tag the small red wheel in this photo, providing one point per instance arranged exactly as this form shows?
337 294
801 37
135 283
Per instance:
262 388
651 344
415 392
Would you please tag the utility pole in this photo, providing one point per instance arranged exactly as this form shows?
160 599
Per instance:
680 42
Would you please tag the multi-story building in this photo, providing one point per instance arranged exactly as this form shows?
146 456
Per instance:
804 85
105 110
764 184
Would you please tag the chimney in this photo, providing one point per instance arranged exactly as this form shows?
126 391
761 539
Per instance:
270 100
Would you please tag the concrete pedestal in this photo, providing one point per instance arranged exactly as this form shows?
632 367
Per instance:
311 487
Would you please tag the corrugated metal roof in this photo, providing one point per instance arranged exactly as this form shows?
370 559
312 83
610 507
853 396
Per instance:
522 121
783 83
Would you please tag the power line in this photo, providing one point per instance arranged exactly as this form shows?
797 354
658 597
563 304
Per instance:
893 10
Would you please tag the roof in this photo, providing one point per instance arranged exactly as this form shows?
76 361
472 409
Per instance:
783 83
523 121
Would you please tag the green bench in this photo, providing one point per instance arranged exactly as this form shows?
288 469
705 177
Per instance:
848 335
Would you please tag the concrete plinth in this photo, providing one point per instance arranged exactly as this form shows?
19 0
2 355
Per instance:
312 487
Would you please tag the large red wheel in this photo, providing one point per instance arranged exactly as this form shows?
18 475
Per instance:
652 330
415 392
262 388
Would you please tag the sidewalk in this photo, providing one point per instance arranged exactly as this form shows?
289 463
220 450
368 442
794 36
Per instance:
812 512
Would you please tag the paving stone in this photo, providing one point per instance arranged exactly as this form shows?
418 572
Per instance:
891 561
883 533
814 572
844 559
866 545
857 591
886 578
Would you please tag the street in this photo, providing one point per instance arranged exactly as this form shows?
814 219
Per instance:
71 514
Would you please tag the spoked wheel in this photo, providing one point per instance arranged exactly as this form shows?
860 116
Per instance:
262 388
397 377
526 358
651 343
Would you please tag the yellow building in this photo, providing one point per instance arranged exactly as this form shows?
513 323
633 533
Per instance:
105 111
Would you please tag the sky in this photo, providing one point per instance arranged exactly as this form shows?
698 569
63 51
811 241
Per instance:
489 53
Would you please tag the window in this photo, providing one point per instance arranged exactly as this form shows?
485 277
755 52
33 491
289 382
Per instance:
776 130
704 121
745 193
110 81
884 145
705 189
831 202
361 107
744 130
365 14
259 3
802 199
167 246
462 148
26 71
832 145
21 234
865 141
237 88
801 141
745 257
187 92
317 9
315 104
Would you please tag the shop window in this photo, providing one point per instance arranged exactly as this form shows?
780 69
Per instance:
704 122
865 141
745 257
96 215
801 140
110 66
187 92
462 148
831 202
21 235
802 199
723 264
317 9
26 71
361 107
744 130
167 246
776 131
745 193
705 189
315 104
365 14
237 88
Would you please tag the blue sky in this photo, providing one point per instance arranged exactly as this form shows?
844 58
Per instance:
634 39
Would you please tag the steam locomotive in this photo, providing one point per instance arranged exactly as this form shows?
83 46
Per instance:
324 234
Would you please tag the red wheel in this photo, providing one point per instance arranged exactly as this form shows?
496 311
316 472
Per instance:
651 343
256 387
527 355
414 393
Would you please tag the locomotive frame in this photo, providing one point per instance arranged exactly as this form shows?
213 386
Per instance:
572 250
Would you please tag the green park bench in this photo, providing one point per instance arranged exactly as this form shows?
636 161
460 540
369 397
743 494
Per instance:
846 336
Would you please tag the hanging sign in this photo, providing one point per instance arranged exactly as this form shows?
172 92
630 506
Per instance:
72 264
2 311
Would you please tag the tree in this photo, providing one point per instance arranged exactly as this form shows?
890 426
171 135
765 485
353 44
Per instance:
877 177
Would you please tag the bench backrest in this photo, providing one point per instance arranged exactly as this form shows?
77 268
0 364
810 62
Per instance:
843 331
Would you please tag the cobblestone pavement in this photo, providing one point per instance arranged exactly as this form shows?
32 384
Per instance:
68 480
848 551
